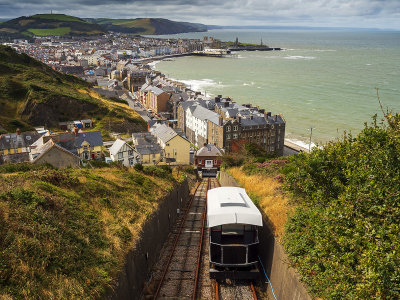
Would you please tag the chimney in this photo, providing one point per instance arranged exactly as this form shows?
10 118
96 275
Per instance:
76 130
251 117
268 114
261 110
18 131
220 121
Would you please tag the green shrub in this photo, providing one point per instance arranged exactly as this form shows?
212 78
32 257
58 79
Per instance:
23 167
343 238
138 167
23 196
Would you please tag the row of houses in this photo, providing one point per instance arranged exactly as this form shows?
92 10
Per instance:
58 149
218 120
229 125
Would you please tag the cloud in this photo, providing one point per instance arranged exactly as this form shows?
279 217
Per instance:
357 13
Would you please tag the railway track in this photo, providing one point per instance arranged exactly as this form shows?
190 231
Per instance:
180 274
182 271
234 290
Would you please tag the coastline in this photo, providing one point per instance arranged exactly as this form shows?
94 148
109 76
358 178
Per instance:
291 143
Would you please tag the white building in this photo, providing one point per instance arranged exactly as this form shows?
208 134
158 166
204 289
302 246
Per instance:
197 121
123 152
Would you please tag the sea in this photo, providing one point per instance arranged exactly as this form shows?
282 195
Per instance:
323 82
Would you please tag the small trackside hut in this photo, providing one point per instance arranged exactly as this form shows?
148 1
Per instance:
233 222
208 160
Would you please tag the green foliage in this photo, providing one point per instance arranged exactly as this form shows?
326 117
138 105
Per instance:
138 167
50 31
159 171
22 196
22 167
232 160
344 237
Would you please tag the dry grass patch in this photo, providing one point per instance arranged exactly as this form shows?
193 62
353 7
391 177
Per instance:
64 234
267 190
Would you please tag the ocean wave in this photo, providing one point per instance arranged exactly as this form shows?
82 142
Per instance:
323 50
153 64
299 57
301 143
202 84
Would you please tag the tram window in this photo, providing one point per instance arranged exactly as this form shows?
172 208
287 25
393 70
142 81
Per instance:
233 229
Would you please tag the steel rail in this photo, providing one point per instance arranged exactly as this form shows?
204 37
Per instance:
253 291
175 243
216 290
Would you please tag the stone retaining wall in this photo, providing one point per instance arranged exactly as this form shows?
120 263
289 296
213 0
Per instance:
140 260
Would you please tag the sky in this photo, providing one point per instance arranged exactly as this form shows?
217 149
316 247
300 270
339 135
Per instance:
384 14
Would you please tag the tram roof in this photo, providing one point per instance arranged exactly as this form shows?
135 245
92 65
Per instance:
231 205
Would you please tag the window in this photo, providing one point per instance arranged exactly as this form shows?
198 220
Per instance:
228 136
85 148
235 128
131 161
228 128
120 155
215 161
235 135
130 152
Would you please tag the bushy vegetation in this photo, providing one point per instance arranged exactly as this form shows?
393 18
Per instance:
344 236
64 234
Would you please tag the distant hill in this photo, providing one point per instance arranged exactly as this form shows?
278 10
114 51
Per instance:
32 94
148 26
48 24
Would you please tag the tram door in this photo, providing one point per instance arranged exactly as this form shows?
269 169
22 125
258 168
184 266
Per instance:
208 163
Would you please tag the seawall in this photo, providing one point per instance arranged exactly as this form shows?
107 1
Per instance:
141 259
284 279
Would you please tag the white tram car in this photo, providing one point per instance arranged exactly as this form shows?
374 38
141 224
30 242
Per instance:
233 222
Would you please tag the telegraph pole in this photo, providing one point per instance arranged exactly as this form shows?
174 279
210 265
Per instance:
309 146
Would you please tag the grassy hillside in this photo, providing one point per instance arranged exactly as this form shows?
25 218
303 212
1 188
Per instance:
48 24
148 26
344 236
64 234
32 94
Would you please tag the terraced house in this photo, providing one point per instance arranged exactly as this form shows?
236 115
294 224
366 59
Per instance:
14 147
230 125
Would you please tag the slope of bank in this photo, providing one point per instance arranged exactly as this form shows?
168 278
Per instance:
32 94
64 234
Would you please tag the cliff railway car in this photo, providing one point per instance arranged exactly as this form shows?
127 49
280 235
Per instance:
233 222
